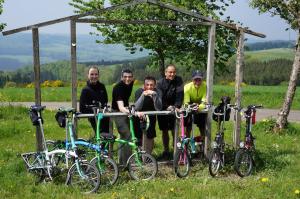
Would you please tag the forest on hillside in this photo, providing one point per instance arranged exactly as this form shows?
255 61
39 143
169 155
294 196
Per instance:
258 71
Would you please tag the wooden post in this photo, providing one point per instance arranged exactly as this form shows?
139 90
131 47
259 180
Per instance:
74 64
36 65
209 81
238 91
74 70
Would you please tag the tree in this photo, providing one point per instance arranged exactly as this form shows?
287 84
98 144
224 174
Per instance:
289 10
2 25
186 45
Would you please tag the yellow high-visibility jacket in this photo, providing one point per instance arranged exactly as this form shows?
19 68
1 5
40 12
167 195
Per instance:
195 95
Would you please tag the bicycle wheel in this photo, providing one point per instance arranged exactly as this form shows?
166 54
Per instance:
182 162
108 170
214 163
89 182
142 166
243 163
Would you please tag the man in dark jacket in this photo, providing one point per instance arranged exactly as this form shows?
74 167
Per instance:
171 87
93 94
147 99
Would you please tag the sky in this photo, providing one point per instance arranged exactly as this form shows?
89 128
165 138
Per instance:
19 13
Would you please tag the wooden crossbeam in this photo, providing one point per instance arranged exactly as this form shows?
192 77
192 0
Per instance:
140 22
72 17
196 15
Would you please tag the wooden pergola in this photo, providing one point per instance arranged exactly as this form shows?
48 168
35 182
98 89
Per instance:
201 21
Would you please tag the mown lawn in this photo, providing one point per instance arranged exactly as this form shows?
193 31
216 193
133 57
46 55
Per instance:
270 96
276 175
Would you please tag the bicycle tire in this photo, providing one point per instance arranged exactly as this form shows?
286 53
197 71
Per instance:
108 170
89 183
142 166
182 162
214 163
243 163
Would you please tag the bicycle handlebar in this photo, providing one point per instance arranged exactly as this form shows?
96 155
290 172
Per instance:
180 112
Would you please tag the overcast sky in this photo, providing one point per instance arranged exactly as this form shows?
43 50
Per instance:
19 13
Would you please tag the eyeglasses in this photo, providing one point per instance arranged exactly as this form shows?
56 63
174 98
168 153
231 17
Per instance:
197 80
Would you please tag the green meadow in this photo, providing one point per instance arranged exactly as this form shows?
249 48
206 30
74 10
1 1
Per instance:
276 175
269 96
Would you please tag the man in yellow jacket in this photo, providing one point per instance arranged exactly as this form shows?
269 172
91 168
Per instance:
195 92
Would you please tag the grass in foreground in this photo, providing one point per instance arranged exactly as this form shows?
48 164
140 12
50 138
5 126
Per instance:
276 176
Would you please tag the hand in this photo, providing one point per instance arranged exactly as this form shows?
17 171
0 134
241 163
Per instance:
139 114
148 92
171 108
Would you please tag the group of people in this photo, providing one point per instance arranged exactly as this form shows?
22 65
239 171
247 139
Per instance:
167 92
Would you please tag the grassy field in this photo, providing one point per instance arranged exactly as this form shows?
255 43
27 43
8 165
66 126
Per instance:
276 175
250 95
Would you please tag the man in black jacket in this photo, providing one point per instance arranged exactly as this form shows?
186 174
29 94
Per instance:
171 87
93 94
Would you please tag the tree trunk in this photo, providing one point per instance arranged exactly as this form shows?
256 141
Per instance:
285 110
161 58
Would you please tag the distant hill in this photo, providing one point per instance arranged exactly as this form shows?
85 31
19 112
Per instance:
251 46
16 50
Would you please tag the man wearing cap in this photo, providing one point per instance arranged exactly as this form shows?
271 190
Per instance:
195 92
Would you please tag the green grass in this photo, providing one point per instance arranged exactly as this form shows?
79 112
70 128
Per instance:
269 96
270 54
267 55
278 159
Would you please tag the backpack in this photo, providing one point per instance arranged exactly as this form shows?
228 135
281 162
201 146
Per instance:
61 119
225 100
34 117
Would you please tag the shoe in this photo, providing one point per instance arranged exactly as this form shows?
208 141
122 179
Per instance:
166 155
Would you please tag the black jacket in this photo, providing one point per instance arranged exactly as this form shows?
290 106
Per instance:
172 92
92 95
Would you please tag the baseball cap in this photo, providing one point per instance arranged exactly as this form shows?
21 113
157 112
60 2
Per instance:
197 74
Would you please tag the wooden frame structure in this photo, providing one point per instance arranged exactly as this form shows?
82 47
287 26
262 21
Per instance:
206 21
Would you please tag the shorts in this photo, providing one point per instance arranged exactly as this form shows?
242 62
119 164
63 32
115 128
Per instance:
199 120
151 132
166 122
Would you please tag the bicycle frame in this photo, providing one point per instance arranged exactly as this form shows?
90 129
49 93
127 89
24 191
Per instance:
250 115
44 159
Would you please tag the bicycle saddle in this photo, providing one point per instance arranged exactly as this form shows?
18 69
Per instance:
37 108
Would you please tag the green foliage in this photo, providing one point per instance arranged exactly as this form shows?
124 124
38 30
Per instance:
266 67
10 84
186 45
2 25
269 45
47 83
